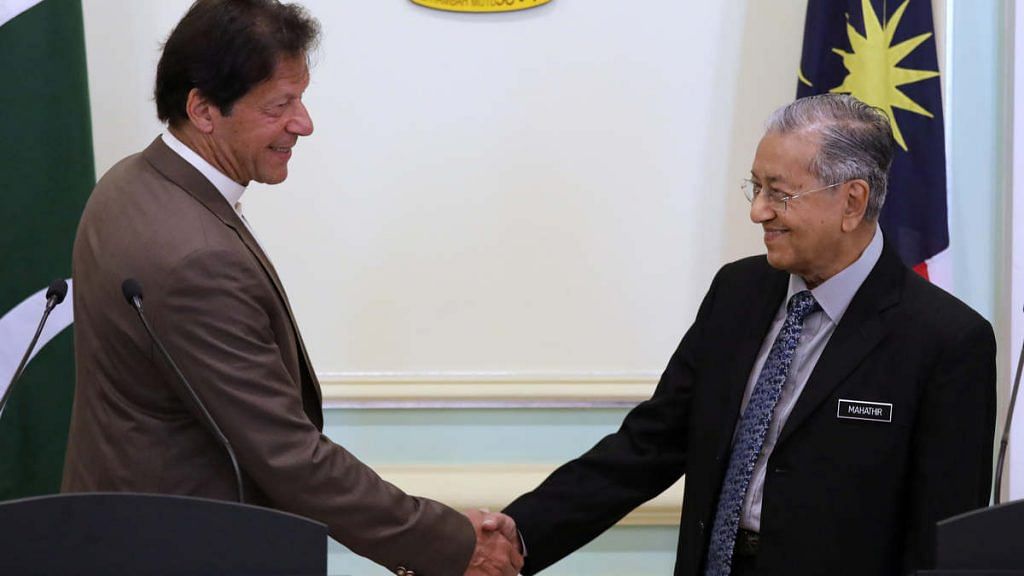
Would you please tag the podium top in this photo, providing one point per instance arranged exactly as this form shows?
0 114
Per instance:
161 535
980 540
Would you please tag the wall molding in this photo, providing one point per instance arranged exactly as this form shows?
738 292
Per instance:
490 486
381 390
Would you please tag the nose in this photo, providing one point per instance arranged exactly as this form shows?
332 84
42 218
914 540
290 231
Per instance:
761 209
301 123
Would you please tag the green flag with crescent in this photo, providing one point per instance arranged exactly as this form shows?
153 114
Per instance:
47 166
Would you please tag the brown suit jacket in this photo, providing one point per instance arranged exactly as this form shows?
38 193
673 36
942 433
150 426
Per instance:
219 307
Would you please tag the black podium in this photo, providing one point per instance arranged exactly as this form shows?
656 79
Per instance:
985 542
129 534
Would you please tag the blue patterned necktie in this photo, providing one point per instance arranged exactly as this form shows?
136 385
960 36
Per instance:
751 432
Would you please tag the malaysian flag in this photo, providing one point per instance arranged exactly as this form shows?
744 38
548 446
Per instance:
883 53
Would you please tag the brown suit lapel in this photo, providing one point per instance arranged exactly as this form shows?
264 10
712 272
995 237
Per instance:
177 170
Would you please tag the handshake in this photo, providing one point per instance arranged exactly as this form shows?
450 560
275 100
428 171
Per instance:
498 551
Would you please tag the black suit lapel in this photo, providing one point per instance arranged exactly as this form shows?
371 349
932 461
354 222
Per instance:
761 312
177 170
861 329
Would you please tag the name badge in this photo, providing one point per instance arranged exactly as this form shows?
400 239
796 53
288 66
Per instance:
860 410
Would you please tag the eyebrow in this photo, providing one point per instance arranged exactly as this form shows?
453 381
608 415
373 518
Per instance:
281 99
770 179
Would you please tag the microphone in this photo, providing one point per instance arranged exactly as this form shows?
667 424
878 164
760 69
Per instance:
132 291
55 294
1006 429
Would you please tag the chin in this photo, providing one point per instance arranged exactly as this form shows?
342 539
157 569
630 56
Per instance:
778 261
273 179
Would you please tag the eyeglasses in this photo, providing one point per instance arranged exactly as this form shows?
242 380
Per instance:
751 190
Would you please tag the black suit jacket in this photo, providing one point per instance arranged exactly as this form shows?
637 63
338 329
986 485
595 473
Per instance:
841 496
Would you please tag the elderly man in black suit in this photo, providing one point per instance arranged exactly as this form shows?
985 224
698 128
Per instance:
827 406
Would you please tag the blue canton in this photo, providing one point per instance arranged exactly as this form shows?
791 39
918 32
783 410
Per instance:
751 432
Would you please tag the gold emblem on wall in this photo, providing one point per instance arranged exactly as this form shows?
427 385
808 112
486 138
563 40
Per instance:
481 5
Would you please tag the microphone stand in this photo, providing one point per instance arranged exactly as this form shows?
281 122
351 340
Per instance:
52 299
133 294
1006 429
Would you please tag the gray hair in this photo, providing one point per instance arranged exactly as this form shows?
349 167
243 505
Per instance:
856 141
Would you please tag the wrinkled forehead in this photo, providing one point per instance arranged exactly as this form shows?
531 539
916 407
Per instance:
785 156
290 76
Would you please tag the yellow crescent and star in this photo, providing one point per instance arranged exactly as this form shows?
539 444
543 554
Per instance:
481 5
873 72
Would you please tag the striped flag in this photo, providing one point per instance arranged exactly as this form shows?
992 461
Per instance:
47 165
883 53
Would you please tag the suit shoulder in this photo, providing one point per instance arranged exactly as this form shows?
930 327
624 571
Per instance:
742 282
137 213
748 269
123 171
938 310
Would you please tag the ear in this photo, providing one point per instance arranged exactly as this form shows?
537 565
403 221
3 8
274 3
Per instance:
200 111
857 194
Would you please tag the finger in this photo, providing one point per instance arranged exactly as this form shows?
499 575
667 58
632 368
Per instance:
517 560
475 518
507 569
507 526
498 521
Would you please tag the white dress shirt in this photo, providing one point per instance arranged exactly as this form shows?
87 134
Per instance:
231 190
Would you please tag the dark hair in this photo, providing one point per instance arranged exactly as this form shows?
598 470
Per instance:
855 141
225 48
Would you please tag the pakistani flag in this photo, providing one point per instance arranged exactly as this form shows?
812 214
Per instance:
47 169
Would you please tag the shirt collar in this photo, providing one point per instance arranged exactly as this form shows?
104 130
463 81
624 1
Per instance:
231 190
835 294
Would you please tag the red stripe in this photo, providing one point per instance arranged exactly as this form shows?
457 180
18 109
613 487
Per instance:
922 270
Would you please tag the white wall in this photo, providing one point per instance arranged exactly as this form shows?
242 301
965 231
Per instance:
549 191
1016 462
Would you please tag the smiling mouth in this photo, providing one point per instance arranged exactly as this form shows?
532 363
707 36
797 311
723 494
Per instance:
281 149
771 234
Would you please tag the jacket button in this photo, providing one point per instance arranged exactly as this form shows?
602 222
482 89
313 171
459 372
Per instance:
403 571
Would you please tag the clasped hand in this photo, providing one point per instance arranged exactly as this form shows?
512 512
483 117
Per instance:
497 550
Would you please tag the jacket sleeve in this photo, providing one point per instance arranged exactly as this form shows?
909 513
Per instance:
951 452
213 315
588 495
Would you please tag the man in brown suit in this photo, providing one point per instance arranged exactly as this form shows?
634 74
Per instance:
229 85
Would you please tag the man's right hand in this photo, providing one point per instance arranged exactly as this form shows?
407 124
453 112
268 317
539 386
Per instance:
496 552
